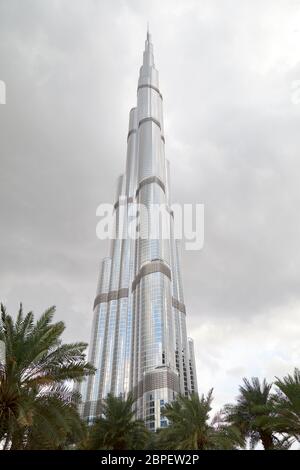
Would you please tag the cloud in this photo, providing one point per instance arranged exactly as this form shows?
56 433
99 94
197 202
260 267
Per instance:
265 345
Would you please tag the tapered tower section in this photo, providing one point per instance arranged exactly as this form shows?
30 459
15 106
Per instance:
139 341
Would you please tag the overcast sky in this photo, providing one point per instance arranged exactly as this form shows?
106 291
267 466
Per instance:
229 73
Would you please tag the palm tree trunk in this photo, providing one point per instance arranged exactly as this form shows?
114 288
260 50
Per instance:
267 440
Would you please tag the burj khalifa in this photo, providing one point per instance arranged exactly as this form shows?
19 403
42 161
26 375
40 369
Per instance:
139 341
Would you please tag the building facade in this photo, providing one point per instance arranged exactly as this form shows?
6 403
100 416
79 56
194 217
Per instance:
139 341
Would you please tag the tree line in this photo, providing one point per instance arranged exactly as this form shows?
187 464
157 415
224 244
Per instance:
39 405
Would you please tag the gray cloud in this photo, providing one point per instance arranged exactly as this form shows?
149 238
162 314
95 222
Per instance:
232 136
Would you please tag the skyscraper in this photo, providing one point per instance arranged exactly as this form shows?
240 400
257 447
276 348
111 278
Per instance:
139 340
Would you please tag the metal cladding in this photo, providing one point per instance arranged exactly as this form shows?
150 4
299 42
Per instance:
139 341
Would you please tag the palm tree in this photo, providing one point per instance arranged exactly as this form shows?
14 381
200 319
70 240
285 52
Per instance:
37 407
253 413
287 405
189 427
116 428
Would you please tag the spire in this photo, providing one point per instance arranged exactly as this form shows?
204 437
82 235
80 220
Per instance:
148 59
148 40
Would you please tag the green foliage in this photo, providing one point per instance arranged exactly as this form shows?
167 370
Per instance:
255 415
117 429
190 428
37 408
286 403
252 411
